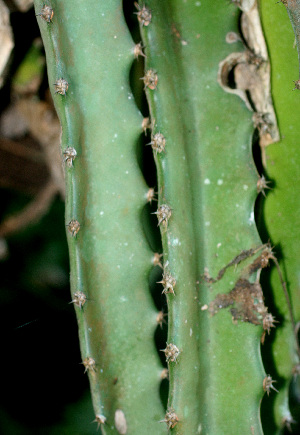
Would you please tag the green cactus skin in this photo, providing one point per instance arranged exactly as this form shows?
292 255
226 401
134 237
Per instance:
90 47
207 186
281 211
207 177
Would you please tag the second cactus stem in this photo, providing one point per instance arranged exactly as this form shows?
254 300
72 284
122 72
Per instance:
207 185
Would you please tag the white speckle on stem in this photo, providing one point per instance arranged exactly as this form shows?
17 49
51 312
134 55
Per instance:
251 219
220 182
207 181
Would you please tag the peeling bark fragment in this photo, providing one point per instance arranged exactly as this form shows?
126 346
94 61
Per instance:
247 300
251 72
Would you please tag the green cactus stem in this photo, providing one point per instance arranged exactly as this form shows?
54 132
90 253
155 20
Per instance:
201 136
281 210
109 255
208 181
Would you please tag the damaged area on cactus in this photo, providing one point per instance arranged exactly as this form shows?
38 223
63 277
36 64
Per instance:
245 254
61 86
247 302
251 72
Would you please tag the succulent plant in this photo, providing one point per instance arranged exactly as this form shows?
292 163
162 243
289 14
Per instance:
209 108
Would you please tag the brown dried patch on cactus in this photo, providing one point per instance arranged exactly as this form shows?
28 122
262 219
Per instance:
172 352
46 13
236 261
79 299
100 419
69 156
73 227
158 143
61 86
120 422
160 318
150 79
268 385
138 50
171 418
156 259
168 282
247 302
144 14
89 364
261 262
163 213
